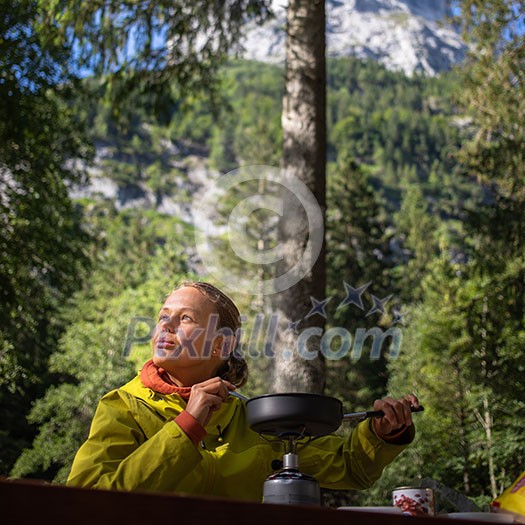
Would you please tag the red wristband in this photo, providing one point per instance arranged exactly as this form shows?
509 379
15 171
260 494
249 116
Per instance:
191 427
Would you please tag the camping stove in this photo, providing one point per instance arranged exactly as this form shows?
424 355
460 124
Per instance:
290 418
289 485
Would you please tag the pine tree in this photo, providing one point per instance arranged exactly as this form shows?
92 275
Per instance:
357 254
42 258
417 230
152 50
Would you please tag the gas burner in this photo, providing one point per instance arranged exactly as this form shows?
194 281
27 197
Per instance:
289 485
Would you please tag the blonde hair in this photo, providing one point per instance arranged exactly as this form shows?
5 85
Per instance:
235 368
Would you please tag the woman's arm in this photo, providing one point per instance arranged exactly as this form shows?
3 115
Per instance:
353 463
118 455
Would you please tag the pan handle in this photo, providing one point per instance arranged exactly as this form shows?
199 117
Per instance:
375 413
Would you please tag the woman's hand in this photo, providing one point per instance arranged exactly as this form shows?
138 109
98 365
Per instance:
206 397
397 413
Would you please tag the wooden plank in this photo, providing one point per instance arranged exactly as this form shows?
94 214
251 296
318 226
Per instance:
30 501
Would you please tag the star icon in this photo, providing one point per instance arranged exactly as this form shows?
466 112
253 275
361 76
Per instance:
293 325
353 295
318 307
398 316
379 305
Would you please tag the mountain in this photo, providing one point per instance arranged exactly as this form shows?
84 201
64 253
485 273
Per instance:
405 35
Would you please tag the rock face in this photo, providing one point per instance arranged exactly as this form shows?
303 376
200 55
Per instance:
405 35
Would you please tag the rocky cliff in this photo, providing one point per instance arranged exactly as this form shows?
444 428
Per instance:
404 35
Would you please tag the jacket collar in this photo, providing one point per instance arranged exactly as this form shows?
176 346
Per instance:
156 378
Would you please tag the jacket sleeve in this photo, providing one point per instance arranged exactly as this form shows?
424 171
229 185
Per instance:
117 454
353 463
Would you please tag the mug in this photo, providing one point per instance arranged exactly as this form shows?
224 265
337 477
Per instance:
415 501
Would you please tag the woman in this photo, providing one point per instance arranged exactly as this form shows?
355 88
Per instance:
175 427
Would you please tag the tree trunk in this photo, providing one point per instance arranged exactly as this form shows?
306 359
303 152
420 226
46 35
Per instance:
462 427
487 421
304 158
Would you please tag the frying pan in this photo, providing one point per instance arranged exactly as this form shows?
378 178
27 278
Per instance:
299 414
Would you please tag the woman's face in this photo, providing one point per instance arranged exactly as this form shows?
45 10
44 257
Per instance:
183 341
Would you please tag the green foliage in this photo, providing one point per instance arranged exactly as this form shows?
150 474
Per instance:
138 261
193 122
357 253
372 111
142 49
494 93
248 130
417 228
462 353
41 242
461 361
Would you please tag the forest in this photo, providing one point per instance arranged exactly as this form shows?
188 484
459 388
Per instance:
425 203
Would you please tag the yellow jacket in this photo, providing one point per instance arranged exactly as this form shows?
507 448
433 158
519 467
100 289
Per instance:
135 444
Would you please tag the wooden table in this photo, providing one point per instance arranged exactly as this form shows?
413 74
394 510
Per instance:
36 502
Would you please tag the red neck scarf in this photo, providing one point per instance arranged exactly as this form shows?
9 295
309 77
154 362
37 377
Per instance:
156 378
